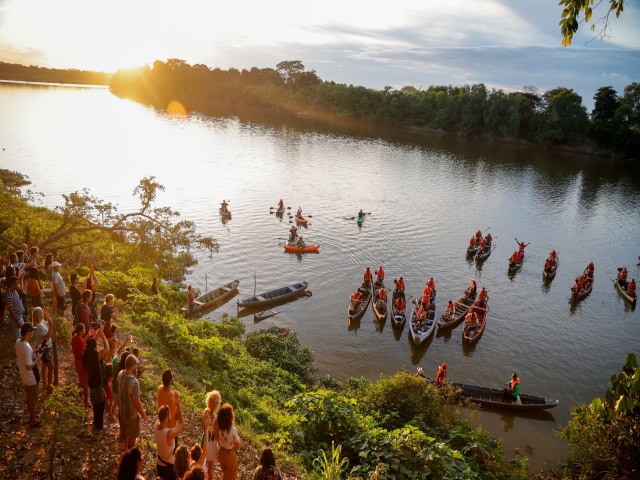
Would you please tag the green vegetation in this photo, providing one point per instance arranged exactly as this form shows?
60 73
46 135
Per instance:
606 434
574 8
555 117
398 427
14 71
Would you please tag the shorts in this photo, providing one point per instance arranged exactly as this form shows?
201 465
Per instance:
60 303
131 427
33 393
46 356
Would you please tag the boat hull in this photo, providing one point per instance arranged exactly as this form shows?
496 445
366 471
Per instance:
274 296
628 298
462 307
306 249
495 398
472 333
430 324
302 221
357 313
215 297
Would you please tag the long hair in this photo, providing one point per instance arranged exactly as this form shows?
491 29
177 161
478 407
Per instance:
128 468
226 419
267 459
181 463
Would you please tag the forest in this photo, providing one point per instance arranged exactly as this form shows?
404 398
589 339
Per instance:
554 117
23 73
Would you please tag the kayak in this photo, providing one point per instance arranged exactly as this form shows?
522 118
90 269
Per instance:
361 220
302 221
296 249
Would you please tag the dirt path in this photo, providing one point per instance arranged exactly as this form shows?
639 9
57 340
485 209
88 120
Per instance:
82 453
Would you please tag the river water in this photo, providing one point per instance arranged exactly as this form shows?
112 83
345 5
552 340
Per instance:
426 195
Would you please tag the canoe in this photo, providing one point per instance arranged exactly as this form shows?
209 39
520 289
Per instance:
380 310
484 254
429 328
550 273
224 214
471 251
302 221
358 311
398 316
214 298
495 398
274 296
582 293
625 295
462 307
280 211
293 248
515 266
472 333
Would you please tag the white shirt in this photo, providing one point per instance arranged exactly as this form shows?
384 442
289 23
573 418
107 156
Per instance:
58 283
25 356
165 451
227 439
42 329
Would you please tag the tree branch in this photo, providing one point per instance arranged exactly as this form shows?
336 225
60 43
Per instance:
9 242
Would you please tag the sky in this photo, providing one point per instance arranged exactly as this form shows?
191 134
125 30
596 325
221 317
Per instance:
505 44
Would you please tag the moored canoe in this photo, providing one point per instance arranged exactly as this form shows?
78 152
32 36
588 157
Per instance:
274 296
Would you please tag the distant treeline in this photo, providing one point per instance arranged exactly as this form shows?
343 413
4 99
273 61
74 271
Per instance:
554 117
13 71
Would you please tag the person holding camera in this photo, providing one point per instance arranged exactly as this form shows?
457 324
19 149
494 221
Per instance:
42 337
27 363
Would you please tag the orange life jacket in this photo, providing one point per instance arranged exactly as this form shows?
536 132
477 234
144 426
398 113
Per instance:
482 244
631 287
478 234
553 254
488 238
399 303
514 257
623 274
483 295
431 284
367 276
472 242
380 273
472 318
401 284
549 264
355 298
513 383
522 246
451 307
382 294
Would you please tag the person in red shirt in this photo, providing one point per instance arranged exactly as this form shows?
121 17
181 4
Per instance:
382 295
367 277
451 309
78 344
380 274
442 374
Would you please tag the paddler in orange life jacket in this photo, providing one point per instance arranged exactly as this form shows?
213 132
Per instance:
380 274
399 304
426 296
553 255
293 233
488 239
515 257
513 392
451 309
478 235
472 242
549 264
367 277
442 374
622 277
299 213
589 270
471 318
355 297
482 298
431 284
631 287
483 245
471 291
382 295
400 284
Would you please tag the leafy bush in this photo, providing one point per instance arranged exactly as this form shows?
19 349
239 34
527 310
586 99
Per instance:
329 382
282 348
228 328
606 434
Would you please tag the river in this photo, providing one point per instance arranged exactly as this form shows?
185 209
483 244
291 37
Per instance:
427 195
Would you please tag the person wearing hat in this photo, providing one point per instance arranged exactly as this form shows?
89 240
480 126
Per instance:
57 287
27 363
442 374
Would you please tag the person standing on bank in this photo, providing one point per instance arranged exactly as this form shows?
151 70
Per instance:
109 312
166 443
228 443
57 287
43 324
27 363
93 363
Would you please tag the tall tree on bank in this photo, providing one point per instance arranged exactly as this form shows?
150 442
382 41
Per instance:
159 232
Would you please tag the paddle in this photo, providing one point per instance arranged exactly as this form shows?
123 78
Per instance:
368 213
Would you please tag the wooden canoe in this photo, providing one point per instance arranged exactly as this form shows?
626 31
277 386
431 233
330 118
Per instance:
625 295
274 296
484 254
280 211
582 293
515 266
214 298
302 221
358 311
472 333
462 307
398 316
380 310
294 248
550 273
495 398
420 336
224 214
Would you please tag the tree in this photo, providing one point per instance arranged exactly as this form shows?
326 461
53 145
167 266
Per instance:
564 118
289 68
574 8
158 232
606 102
